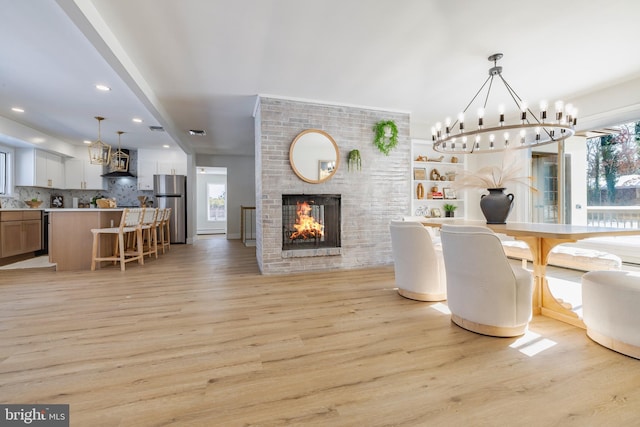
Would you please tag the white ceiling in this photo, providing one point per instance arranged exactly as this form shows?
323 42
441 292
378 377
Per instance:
199 64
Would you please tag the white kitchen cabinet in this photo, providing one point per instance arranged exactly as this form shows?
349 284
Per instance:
37 168
159 162
82 175
427 172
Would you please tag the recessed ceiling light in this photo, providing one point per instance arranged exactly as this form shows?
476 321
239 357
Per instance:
197 132
137 120
165 146
87 141
103 88
17 110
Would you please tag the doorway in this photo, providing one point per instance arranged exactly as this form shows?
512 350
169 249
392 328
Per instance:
211 203
545 177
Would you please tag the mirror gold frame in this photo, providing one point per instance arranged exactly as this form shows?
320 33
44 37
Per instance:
314 156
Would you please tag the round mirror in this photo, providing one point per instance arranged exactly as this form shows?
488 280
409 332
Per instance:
314 156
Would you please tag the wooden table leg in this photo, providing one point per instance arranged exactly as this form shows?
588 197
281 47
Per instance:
543 300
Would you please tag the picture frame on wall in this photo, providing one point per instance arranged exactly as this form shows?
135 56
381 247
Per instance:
449 193
57 201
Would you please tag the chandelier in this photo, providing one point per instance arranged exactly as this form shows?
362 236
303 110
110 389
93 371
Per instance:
528 130
119 159
99 152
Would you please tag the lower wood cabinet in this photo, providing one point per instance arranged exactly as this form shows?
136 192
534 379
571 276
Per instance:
20 232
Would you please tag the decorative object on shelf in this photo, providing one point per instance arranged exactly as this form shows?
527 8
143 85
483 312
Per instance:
386 136
451 176
99 152
434 175
449 193
419 174
525 132
119 159
420 191
449 210
354 161
436 213
436 159
57 201
422 159
454 159
33 203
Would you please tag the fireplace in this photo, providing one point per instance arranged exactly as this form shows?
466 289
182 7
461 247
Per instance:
310 221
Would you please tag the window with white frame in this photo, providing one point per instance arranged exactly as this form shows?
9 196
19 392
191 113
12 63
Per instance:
217 202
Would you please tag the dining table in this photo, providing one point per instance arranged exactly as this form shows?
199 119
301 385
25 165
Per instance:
541 239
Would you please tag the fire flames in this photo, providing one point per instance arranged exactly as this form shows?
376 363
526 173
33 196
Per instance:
306 226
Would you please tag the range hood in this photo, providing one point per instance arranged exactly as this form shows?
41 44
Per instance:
119 173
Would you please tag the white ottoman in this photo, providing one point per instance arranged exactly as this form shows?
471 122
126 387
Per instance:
610 302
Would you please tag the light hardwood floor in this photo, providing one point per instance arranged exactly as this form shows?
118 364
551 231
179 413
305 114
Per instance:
199 338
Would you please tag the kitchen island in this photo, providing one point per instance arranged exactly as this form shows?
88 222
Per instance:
70 238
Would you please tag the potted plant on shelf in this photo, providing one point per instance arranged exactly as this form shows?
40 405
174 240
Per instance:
386 136
449 210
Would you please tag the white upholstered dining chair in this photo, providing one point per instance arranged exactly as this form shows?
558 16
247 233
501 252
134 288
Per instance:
485 293
418 266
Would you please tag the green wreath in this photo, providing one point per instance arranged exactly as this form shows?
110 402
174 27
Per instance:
385 143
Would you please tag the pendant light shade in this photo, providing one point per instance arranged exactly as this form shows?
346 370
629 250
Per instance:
99 152
119 159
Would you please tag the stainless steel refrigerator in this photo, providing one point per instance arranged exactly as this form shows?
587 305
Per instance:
170 191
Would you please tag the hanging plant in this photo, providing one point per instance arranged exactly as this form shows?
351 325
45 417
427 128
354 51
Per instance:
354 161
386 136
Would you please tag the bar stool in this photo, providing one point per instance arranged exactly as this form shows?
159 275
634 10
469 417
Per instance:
149 227
129 223
164 228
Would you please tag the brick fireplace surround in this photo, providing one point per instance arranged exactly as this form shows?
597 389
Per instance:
370 198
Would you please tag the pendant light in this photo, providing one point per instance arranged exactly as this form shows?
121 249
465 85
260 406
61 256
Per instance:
526 131
119 159
99 152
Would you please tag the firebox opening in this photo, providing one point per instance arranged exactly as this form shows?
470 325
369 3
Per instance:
310 221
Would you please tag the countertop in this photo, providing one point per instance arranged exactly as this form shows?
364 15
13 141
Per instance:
82 209
21 209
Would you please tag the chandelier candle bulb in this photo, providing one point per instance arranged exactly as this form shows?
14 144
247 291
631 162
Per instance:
461 121
523 114
501 112
480 117
559 108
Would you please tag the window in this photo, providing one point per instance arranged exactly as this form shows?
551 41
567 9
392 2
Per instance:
3 172
613 172
217 202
